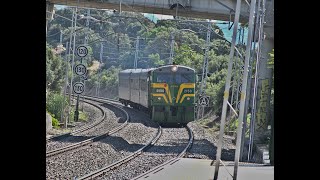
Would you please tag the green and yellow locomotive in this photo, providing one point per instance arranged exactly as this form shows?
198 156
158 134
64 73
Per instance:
167 92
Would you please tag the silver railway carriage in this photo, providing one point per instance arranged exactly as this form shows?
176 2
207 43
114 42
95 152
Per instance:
167 93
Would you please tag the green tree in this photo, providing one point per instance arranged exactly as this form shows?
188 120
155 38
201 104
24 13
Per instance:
155 60
54 104
54 70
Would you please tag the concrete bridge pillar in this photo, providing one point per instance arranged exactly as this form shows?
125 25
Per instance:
263 97
264 118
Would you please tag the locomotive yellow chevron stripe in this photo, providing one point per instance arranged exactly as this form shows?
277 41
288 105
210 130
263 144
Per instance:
186 95
182 86
161 85
161 95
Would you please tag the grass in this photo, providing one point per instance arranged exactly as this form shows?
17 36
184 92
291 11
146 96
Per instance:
209 124
83 116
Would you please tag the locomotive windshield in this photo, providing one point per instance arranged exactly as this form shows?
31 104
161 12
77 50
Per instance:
165 78
177 78
184 78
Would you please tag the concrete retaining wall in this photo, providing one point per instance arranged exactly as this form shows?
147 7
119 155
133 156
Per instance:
48 122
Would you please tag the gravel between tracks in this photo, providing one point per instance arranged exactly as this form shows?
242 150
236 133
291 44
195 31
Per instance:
205 144
171 143
111 120
86 159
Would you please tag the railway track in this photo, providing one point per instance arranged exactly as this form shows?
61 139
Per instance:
182 154
102 171
90 140
123 160
82 129
130 158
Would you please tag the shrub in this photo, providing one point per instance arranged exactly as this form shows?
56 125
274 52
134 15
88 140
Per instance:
54 104
54 121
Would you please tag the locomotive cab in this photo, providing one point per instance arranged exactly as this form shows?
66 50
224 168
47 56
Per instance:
172 94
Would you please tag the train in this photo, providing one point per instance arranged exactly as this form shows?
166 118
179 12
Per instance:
167 92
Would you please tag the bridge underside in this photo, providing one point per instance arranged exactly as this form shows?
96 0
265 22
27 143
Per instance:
218 13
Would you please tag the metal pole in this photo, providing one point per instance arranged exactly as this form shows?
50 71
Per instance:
171 49
69 53
99 73
65 89
244 87
97 87
256 24
74 49
205 68
256 79
60 36
62 103
244 126
76 113
226 91
206 56
135 64
86 39
235 85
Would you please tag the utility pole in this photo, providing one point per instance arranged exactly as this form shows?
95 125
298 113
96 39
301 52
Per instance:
73 33
65 86
76 114
99 74
236 84
68 58
244 86
226 91
204 71
171 49
256 78
135 64
257 28
86 39
65 89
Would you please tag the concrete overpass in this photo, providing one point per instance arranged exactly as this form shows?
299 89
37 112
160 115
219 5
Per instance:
211 9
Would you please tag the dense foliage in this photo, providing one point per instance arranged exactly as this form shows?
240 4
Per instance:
54 70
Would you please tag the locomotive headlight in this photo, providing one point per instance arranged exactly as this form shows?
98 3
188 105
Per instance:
159 98
188 98
174 68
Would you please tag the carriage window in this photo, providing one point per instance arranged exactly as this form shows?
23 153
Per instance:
143 84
